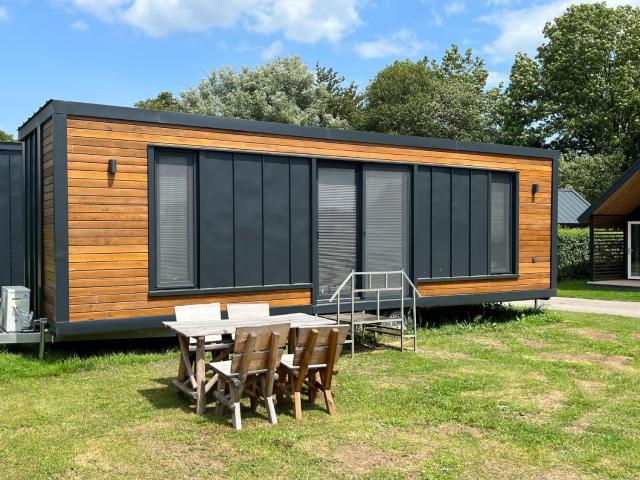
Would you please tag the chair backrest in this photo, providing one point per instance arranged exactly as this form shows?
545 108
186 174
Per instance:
241 311
260 348
194 313
319 346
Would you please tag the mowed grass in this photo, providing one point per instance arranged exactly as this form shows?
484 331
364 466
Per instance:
542 396
580 289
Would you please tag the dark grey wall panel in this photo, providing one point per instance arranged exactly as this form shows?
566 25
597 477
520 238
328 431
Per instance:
216 219
247 182
479 221
422 227
460 223
300 220
5 218
440 222
275 187
17 218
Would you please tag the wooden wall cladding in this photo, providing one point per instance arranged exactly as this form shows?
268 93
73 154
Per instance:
108 236
48 242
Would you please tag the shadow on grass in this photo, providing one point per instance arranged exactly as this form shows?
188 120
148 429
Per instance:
476 315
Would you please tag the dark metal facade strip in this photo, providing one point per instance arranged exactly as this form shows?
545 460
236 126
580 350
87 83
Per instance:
272 128
497 276
212 291
554 221
37 293
130 326
61 215
17 216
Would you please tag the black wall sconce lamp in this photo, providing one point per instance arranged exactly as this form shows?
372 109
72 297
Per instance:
113 167
535 188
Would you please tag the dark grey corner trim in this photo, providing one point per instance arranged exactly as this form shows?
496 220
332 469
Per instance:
17 146
626 176
38 118
88 329
554 222
252 126
61 215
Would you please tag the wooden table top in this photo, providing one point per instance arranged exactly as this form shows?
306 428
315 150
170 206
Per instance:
200 328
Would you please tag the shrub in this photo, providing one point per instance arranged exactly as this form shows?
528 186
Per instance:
573 253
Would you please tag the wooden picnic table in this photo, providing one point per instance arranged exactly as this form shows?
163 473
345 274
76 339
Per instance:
194 384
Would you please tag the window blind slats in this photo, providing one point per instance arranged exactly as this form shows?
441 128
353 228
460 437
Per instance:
175 221
501 223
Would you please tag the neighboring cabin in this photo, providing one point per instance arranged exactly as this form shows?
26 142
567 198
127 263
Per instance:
138 211
570 206
614 222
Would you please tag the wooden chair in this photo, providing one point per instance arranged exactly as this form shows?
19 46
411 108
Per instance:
312 364
241 311
256 354
204 313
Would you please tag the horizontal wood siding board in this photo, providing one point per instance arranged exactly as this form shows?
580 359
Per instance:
106 213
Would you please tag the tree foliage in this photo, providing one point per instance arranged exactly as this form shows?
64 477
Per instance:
283 90
588 174
447 99
582 91
5 137
344 101
163 101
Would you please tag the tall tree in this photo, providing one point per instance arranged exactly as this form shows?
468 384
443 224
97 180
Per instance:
283 90
440 99
344 100
163 101
582 91
5 137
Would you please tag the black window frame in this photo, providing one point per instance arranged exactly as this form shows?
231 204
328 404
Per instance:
154 156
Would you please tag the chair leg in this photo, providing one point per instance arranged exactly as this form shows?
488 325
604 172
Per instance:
221 391
297 406
271 410
236 419
328 400
282 381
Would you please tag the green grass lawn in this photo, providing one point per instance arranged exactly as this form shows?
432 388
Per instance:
580 289
542 396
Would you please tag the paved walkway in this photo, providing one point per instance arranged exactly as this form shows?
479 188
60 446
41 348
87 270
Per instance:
606 307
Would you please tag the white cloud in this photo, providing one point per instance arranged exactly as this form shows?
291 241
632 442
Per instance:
4 14
501 3
496 78
436 18
521 29
306 21
402 43
80 26
271 51
455 8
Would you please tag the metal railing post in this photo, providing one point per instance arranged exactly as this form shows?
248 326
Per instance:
402 311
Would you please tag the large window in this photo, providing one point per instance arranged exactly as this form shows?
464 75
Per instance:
175 231
501 223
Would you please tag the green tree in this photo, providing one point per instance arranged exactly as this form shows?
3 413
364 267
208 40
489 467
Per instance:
163 101
588 174
344 102
447 99
283 90
5 137
582 91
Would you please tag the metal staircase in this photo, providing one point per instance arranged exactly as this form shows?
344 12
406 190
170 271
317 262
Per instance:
364 283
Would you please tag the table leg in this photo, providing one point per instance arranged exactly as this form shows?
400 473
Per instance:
182 368
292 340
200 377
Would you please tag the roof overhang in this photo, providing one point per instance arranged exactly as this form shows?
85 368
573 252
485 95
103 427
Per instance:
270 128
10 146
622 198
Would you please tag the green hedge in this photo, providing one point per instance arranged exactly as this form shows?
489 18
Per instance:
573 253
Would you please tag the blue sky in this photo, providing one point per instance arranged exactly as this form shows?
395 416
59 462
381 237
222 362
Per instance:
119 51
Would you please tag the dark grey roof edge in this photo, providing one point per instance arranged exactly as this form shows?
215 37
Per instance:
10 146
570 206
253 126
626 176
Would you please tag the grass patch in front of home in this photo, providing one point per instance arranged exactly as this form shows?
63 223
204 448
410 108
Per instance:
580 289
541 396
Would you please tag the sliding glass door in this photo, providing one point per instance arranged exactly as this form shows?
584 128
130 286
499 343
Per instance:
634 250
386 223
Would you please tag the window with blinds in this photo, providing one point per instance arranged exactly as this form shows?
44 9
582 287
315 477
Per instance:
337 226
501 223
175 236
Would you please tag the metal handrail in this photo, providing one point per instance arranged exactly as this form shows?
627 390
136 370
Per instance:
403 278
